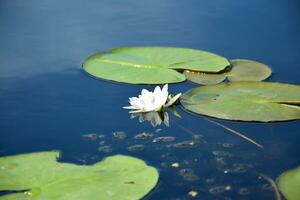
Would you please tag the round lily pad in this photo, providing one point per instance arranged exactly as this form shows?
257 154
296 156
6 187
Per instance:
248 70
245 101
38 176
289 184
241 70
151 65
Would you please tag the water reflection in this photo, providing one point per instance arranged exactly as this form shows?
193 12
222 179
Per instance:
155 118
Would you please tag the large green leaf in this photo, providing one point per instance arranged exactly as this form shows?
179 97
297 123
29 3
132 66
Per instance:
241 70
117 177
151 65
245 101
289 184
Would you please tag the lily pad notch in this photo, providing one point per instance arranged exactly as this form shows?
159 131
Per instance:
43 178
151 65
240 70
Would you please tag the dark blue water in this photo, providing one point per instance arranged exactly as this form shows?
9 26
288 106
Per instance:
47 102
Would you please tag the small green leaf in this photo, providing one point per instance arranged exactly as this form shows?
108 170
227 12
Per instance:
151 65
289 184
241 70
245 101
248 70
43 178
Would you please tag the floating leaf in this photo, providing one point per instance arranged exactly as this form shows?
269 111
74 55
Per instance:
242 70
289 184
248 70
245 101
204 78
116 177
151 65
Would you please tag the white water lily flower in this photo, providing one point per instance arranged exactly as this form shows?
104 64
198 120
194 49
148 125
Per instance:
152 101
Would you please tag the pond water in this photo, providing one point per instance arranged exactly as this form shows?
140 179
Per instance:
47 102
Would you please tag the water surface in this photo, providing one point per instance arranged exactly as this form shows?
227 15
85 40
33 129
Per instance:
47 102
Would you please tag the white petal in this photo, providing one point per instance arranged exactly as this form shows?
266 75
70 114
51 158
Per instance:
133 99
165 89
149 101
144 92
129 107
160 97
157 90
173 100
157 108
165 93
136 103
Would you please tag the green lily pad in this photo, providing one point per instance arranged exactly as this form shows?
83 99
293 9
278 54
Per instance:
289 184
43 178
204 78
248 70
151 65
242 70
245 101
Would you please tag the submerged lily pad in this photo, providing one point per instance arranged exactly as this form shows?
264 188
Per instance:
204 78
245 101
289 184
43 178
165 139
151 65
242 70
120 135
143 136
137 147
105 149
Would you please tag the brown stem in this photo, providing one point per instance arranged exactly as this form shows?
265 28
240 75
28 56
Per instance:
235 132
274 186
